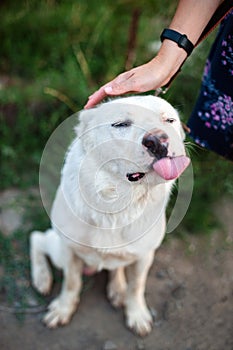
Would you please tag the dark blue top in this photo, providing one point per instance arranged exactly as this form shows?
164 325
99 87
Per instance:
211 121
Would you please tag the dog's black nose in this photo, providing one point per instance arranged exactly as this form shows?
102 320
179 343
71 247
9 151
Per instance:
156 142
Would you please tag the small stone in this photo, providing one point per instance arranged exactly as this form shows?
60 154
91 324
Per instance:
13 208
161 274
17 304
154 313
192 247
158 323
140 345
31 301
224 299
219 322
11 211
109 345
178 292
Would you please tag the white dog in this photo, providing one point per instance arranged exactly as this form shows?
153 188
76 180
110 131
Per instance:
109 210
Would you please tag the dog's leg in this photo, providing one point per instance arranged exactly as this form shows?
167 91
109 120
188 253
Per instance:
117 287
40 269
138 316
62 308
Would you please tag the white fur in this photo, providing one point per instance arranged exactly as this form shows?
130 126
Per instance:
102 220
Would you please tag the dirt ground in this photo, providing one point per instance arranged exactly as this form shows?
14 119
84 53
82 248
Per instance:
189 291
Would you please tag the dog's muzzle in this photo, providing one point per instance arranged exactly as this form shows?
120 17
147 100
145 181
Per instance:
156 143
169 168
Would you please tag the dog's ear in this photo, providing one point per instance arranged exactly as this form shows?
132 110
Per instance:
84 118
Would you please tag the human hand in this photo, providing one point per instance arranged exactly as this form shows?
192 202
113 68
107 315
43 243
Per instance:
150 76
141 79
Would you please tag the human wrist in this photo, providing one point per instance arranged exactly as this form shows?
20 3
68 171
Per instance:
168 60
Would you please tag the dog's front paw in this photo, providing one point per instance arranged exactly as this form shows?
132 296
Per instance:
139 320
59 313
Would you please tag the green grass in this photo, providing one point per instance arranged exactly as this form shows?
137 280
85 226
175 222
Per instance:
53 55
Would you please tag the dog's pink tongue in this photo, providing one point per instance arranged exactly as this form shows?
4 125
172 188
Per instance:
171 168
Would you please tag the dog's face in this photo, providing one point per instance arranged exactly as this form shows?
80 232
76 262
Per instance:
134 142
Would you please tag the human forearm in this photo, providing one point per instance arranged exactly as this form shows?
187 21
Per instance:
191 17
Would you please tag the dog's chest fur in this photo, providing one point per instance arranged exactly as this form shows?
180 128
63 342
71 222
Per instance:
109 259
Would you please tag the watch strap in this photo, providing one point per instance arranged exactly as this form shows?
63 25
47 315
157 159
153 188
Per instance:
181 39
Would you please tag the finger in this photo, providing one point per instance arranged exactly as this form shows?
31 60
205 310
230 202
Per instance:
95 98
122 84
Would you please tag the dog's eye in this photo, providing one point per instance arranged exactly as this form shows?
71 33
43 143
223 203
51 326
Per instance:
170 120
122 124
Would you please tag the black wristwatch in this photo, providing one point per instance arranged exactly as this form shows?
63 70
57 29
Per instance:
181 39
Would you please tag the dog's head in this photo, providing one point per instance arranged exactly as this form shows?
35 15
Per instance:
136 138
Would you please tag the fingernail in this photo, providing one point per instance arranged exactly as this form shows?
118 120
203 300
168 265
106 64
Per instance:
108 89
